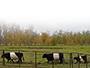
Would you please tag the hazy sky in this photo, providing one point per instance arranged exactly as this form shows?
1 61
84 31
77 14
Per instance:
51 15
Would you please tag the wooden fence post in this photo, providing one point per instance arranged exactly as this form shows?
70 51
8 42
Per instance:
71 61
3 58
35 59
78 62
19 59
52 64
86 62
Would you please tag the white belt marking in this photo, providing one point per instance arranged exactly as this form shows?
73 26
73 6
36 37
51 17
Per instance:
13 55
56 56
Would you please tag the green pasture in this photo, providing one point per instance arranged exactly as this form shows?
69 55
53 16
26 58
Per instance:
29 55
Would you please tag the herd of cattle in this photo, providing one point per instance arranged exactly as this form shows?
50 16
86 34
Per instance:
50 57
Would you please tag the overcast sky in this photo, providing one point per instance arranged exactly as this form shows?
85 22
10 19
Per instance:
51 15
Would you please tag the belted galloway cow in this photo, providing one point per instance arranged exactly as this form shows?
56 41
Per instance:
54 56
81 59
13 56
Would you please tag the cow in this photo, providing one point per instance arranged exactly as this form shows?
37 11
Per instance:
81 59
13 56
54 56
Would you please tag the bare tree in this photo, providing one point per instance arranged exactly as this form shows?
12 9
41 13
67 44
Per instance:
13 33
0 33
4 33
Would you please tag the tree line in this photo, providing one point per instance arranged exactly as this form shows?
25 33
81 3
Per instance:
13 34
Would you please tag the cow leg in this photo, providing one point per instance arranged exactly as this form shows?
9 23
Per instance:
7 61
85 61
12 60
79 61
20 60
61 61
48 61
76 61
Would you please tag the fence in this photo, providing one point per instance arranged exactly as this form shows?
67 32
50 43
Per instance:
33 59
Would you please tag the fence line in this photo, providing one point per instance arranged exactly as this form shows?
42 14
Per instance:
35 58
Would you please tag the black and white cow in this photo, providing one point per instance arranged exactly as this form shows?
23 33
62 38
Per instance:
54 56
13 56
81 58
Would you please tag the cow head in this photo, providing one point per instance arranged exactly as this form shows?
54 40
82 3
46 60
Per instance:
76 58
44 56
3 56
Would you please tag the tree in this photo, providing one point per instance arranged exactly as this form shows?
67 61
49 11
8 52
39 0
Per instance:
32 35
54 40
44 37
1 33
13 33
4 33
59 36
70 40
77 37
9 38
48 40
38 39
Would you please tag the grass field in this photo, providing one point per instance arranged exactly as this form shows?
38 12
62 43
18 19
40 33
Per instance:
30 56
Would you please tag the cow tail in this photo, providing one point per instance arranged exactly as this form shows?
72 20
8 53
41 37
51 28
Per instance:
23 58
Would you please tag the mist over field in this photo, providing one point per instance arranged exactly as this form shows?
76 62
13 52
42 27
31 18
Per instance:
48 15
48 22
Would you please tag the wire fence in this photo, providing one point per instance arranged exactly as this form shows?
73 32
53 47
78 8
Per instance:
33 59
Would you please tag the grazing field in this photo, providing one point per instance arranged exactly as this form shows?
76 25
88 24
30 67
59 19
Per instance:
29 55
